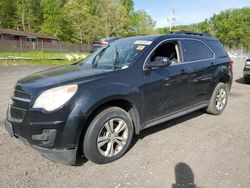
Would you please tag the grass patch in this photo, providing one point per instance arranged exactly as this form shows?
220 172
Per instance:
35 62
38 55
37 58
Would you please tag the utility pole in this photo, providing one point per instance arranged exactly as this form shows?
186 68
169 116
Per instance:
172 20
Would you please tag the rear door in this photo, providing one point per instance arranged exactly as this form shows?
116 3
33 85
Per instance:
200 60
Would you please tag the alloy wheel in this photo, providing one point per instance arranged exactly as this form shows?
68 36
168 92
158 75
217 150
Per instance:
112 137
221 99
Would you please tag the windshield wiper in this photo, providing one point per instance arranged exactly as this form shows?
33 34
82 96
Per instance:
117 60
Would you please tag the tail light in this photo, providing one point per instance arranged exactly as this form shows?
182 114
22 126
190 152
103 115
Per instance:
231 64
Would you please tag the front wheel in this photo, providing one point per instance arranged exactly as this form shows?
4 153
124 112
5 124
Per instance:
219 99
109 136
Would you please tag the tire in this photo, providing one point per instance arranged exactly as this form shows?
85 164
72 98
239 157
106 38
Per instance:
102 145
247 80
218 103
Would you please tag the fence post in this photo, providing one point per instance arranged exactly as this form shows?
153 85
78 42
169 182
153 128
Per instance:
21 45
42 45
33 46
60 47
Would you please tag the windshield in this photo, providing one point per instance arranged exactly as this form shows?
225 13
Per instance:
119 54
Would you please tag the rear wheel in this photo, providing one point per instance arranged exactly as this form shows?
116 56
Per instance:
219 99
108 136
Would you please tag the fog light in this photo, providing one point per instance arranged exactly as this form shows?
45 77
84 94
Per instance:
47 137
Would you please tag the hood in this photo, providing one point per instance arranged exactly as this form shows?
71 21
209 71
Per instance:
60 75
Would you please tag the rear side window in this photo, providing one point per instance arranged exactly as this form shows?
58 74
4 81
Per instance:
217 47
194 50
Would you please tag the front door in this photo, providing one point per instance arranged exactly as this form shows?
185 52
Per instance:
166 89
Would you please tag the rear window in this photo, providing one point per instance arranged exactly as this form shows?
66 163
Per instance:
194 50
217 47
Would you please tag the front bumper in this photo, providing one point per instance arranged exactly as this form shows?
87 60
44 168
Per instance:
62 155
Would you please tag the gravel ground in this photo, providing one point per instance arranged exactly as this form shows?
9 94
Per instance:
197 150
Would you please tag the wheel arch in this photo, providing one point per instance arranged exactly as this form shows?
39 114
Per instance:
121 103
223 75
118 102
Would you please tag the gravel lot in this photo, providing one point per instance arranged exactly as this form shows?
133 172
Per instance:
210 151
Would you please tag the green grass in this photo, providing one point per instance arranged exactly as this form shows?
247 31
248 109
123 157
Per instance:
37 58
35 62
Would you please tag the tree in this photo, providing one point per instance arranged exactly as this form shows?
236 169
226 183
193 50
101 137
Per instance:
205 27
85 26
115 20
232 27
142 23
80 21
28 14
52 17
128 5
7 13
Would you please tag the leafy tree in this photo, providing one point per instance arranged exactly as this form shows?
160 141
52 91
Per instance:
231 27
52 17
115 20
80 21
128 5
86 27
205 27
142 23
7 13
28 15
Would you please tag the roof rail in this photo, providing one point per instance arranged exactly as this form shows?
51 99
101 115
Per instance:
192 33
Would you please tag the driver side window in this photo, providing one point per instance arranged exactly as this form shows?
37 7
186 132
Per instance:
168 50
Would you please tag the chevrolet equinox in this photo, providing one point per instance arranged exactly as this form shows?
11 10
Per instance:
94 107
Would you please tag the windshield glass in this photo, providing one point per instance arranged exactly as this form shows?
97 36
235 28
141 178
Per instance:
119 54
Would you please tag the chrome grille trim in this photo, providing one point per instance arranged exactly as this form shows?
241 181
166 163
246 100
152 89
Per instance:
21 96
21 99
13 119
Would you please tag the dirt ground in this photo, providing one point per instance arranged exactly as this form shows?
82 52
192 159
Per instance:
195 150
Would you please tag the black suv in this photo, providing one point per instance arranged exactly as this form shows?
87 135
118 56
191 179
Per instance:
95 106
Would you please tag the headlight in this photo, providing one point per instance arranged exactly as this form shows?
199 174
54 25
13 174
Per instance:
54 98
248 63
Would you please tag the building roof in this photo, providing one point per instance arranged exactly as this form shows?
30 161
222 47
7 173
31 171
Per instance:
23 33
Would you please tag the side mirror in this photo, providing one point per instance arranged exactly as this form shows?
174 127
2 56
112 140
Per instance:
159 62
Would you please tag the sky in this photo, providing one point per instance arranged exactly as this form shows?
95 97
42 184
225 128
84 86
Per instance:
187 11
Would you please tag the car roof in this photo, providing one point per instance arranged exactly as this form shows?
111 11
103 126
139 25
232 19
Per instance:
109 38
172 36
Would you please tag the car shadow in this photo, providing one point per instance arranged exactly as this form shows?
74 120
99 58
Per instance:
240 81
184 176
81 160
165 125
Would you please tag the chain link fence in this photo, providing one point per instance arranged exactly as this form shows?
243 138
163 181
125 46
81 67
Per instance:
24 46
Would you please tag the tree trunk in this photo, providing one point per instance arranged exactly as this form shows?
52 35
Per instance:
23 15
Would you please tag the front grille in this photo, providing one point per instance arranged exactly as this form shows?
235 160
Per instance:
16 114
22 96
